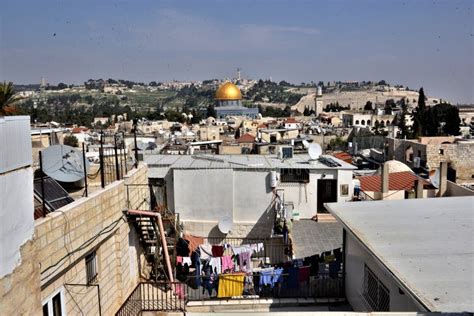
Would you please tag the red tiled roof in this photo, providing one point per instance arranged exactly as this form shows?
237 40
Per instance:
396 181
343 156
290 120
76 130
246 138
262 126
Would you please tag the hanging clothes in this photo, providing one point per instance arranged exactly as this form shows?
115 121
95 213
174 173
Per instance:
227 263
322 268
303 274
245 262
193 242
187 260
334 268
182 248
314 263
277 276
206 251
215 263
292 281
179 259
329 258
240 249
231 285
266 276
217 250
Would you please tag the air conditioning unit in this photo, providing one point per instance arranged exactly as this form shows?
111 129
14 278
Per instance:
285 152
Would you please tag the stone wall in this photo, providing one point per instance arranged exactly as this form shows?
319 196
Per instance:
458 155
20 292
90 224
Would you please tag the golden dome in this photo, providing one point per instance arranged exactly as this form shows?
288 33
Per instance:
228 91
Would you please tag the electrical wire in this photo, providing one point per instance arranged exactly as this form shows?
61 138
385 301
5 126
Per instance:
84 245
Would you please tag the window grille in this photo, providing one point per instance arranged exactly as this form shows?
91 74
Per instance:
294 175
91 268
375 292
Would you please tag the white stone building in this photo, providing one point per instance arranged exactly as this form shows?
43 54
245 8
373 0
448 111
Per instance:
204 189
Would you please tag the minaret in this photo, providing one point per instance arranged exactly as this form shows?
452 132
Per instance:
238 74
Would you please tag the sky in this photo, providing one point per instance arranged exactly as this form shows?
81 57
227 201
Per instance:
415 43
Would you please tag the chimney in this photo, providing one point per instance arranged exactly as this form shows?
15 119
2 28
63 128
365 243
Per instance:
443 178
384 178
419 188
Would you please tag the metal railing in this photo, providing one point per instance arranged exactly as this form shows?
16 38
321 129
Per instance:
155 296
113 164
322 285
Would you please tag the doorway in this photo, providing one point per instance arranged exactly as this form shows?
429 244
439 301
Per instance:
327 193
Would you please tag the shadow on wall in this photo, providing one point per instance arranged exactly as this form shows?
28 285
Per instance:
262 229
139 260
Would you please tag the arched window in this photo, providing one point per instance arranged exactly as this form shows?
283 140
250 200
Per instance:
382 123
368 122
357 122
362 122
388 123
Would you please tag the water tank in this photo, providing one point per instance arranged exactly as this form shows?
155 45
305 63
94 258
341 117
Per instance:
273 179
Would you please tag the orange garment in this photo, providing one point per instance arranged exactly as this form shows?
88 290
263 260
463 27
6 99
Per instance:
231 285
194 242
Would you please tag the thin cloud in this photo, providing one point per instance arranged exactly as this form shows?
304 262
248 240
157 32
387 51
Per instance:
281 29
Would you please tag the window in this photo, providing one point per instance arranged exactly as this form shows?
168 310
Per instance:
344 189
375 293
441 151
294 175
54 305
91 268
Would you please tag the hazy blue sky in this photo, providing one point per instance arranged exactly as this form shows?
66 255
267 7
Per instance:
413 42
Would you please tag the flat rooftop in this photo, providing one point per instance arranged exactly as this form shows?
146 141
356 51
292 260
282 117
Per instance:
428 245
271 162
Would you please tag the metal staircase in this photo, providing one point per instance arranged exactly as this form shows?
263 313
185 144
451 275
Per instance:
146 224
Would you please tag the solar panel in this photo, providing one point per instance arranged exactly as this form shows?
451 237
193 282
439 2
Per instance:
54 195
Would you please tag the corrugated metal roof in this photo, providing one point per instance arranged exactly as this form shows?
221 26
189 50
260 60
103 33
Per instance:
238 162
396 181
425 243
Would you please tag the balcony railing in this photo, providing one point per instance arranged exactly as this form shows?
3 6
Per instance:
323 285
155 296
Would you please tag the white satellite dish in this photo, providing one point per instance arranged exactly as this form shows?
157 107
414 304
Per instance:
314 151
434 178
63 163
225 224
306 143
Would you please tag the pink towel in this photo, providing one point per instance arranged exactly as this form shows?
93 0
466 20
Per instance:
179 259
227 263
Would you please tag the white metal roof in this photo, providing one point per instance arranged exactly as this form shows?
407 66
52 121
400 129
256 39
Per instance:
428 244
300 161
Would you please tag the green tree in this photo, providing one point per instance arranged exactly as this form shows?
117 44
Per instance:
71 140
211 111
368 106
420 116
401 120
8 98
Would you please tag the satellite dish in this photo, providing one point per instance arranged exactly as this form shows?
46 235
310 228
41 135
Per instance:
306 143
63 163
225 224
434 178
314 151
